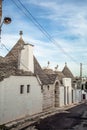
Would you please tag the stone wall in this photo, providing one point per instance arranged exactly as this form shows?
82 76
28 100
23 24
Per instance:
48 97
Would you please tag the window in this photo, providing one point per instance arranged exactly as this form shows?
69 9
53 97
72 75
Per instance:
21 89
48 87
28 88
41 88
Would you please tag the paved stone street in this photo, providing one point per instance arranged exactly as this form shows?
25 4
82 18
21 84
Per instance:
71 119
68 118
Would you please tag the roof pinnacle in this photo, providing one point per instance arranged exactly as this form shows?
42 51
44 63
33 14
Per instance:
48 64
65 64
21 33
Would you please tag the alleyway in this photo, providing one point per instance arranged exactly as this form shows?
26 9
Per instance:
72 119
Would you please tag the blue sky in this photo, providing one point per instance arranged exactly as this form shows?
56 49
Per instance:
64 20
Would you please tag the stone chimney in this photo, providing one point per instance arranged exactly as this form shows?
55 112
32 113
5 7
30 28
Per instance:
26 58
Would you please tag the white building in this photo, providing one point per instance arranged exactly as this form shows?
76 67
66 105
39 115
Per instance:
26 89
64 86
20 88
84 88
67 91
20 96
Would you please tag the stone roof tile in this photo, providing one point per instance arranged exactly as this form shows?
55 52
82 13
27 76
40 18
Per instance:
66 71
38 71
10 62
60 75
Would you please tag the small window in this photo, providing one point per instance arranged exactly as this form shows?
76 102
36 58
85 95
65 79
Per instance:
41 88
28 88
21 89
48 87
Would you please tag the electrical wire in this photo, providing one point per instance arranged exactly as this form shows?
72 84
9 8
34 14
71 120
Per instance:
40 27
14 55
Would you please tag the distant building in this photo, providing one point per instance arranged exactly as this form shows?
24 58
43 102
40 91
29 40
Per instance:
84 88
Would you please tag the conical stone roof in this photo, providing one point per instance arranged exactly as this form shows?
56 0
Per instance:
66 71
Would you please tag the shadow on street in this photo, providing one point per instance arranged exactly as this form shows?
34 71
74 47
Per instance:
66 120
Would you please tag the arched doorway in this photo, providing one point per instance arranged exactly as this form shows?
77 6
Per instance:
56 94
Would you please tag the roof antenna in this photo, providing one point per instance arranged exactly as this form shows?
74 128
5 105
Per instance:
21 33
56 68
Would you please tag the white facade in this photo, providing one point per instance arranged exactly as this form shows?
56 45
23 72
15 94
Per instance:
15 105
67 91
78 95
61 96
84 95
26 58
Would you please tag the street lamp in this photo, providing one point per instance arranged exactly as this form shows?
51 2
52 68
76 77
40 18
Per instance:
6 20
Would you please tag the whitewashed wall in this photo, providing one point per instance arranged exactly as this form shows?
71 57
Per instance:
14 105
61 96
68 90
85 93
78 95
26 61
73 96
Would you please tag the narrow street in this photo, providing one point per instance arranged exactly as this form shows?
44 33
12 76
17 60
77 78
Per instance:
68 118
71 119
